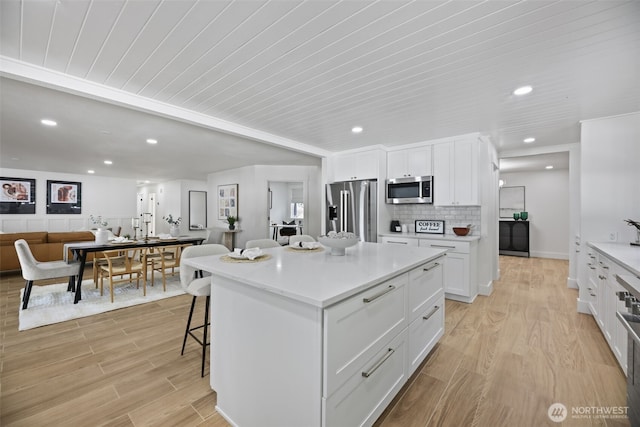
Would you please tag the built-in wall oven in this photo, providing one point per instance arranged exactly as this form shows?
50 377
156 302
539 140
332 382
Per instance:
631 321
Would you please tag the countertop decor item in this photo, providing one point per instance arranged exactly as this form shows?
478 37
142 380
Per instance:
462 231
524 215
516 216
338 242
430 226
636 224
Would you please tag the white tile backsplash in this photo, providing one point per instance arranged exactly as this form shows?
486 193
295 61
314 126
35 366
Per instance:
453 216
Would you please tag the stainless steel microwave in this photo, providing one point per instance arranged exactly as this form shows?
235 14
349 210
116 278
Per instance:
413 189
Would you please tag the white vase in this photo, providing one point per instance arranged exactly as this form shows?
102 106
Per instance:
174 231
102 236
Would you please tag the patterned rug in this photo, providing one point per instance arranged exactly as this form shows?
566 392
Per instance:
53 304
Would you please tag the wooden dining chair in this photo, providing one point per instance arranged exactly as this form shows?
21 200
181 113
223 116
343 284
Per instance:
162 259
123 266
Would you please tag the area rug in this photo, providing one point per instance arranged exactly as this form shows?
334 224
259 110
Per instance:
53 304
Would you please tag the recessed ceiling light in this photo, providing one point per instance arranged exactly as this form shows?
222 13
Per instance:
523 90
91 171
529 140
548 167
147 181
152 141
48 122
108 162
356 129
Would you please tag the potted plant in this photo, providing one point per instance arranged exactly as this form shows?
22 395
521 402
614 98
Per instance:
102 235
232 222
174 225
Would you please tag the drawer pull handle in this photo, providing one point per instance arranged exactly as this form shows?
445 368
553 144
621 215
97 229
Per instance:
432 267
379 363
443 246
395 241
378 295
428 316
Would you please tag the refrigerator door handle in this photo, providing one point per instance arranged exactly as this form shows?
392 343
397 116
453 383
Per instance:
344 209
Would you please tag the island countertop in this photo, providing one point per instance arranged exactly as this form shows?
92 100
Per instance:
319 278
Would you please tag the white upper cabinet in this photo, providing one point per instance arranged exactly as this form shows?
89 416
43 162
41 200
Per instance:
353 166
409 162
455 172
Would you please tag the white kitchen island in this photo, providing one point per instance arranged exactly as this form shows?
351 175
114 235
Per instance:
311 339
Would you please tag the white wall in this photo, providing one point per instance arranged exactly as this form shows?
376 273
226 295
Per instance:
547 202
253 207
112 198
609 184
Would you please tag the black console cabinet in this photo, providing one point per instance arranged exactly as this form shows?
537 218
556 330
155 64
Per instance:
514 238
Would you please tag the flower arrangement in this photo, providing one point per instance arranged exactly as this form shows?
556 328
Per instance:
171 221
97 220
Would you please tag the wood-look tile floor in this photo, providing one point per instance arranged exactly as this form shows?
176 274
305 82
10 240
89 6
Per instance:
502 361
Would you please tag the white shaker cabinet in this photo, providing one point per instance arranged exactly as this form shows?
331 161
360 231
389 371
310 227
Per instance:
455 172
410 162
354 166
460 268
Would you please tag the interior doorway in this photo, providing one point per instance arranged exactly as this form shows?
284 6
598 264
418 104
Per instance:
285 210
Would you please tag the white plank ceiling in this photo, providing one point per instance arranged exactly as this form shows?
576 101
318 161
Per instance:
301 74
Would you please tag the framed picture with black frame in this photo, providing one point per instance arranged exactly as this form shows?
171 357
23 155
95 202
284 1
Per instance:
227 201
64 197
18 196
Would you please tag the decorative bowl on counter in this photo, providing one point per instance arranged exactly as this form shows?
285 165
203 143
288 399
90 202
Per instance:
338 242
461 231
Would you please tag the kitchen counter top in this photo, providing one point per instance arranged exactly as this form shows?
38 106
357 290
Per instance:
625 254
319 278
453 237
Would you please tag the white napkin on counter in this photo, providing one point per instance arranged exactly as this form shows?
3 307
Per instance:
251 253
307 245
120 239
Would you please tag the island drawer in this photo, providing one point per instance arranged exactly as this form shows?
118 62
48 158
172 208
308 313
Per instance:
359 327
424 283
425 331
367 392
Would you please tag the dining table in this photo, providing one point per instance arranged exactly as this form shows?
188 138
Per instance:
80 250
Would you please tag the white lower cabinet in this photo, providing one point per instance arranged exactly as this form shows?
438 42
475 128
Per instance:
375 340
366 393
425 331
603 302
400 241
460 268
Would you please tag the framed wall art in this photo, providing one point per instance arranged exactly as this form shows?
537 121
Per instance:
18 196
227 201
64 197
511 201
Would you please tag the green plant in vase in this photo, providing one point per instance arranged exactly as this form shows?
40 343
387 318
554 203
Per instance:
231 220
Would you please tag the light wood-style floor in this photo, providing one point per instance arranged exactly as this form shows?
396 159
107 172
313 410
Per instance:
502 361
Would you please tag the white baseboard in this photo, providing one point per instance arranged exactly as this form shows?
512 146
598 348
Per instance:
487 289
572 283
552 255
583 307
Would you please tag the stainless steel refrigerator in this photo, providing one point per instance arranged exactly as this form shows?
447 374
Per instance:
352 206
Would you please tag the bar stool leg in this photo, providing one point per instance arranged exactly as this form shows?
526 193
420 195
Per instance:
206 329
186 332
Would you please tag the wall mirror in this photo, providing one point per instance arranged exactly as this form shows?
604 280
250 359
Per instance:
511 201
197 210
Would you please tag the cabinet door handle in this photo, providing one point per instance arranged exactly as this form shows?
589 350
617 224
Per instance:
395 241
378 295
432 267
431 313
379 363
443 246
